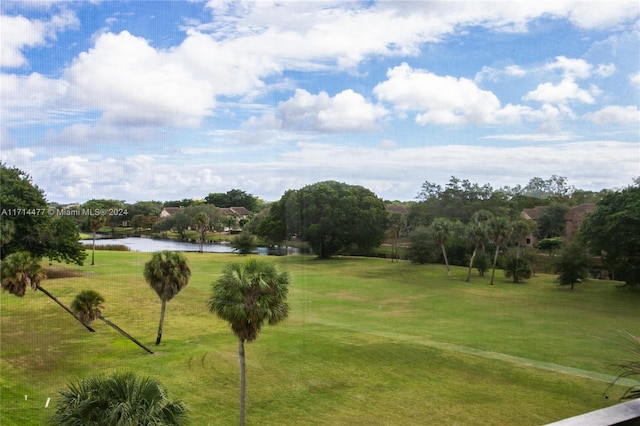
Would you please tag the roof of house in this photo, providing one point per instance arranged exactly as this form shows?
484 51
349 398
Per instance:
171 210
574 213
240 211
395 208
232 211
534 213
579 212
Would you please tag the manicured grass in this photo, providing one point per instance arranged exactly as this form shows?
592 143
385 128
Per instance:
367 342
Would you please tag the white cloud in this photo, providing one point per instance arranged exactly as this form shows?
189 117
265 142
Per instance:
606 70
348 111
561 93
18 33
615 114
134 84
571 68
437 99
634 79
31 98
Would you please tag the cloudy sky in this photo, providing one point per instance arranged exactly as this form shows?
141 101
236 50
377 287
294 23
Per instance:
167 100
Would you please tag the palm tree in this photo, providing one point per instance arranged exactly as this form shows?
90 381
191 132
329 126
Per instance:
398 223
629 369
498 232
200 222
87 304
246 295
519 229
21 270
94 223
118 399
167 273
476 234
442 229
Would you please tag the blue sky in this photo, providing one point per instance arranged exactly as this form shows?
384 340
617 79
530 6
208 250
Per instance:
166 100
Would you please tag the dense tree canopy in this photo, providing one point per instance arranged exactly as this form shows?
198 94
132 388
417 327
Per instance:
27 224
233 198
460 199
330 216
613 230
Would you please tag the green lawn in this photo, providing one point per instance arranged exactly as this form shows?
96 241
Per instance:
368 342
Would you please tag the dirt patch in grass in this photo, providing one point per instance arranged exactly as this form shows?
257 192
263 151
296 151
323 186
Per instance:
53 272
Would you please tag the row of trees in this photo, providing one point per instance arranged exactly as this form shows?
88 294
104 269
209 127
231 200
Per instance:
337 218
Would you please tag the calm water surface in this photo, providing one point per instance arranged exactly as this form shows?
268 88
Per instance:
151 245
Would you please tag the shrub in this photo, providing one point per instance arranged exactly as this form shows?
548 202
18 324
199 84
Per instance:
516 267
421 249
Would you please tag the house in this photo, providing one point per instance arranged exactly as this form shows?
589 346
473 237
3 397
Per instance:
237 213
396 208
573 220
168 211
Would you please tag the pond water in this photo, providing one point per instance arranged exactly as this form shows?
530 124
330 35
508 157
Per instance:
151 245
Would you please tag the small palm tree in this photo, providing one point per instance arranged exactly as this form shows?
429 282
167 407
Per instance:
95 223
21 270
119 399
476 234
442 229
200 223
246 295
498 232
629 369
167 273
87 305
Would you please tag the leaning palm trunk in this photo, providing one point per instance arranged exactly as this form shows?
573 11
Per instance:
495 260
473 256
93 250
124 333
446 261
55 299
162 309
243 382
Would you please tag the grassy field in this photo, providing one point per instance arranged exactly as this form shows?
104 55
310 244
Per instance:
368 342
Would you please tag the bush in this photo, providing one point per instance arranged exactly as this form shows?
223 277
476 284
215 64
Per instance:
244 243
516 267
481 262
421 249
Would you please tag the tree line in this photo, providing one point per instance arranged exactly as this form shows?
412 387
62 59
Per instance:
460 223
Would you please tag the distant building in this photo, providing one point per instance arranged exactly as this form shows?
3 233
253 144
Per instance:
239 212
573 220
169 211
396 208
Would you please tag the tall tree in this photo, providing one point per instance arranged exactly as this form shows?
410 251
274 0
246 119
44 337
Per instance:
442 229
118 399
27 223
233 198
247 295
201 222
498 230
613 231
397 224
87 306
551 222
20 271
476 234
572 264
95 219
167 273
330 216
422 248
